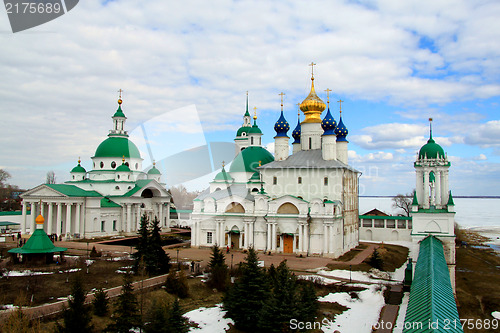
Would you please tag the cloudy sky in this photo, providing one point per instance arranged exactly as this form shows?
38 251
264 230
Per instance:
190 63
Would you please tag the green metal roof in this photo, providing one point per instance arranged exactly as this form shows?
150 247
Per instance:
14 212
243 129
39 242
450 200
119 112
248 159
72 190
223 176
79 168
7 223
138 186
376 217
108 203
431 295
431 150
415 200
116 146
154 171
123 168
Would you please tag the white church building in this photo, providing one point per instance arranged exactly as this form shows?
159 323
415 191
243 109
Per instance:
107 200
304 203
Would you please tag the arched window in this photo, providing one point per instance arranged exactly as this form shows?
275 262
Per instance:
288 208
275 180
310 143
235 207
113 164
251 140
117 187
137 166
118 176
325 181
102 165
299 180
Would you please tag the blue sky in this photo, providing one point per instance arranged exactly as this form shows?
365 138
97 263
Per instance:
393 63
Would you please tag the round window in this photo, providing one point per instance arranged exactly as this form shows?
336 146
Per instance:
113 164
102 165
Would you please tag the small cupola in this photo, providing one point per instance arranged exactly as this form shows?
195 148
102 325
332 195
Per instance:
78 173
154 173
123 173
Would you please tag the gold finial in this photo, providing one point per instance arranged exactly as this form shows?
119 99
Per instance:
298 111
260 163
223 164
328 96
123 159
79 160
282 94
255 113
312 64
120 97
430 119
154 164
340 104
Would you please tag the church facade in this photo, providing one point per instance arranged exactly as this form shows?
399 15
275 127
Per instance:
107 200
304 203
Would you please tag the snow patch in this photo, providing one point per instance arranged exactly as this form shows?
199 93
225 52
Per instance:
209 320
26 273
496 314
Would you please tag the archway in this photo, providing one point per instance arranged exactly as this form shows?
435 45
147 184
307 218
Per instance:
394 235
234 236
288 208
235 207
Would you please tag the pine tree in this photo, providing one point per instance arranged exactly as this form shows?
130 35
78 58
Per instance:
142 246
176 284
283 304
158 262
100 302
308 304
158 318
76 317
243 301
375 260
176 322
219 272
126 315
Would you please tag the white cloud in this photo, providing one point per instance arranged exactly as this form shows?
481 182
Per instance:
485 135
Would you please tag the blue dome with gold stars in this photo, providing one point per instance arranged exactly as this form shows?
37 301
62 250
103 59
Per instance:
281 127
296 133
329 124
341 131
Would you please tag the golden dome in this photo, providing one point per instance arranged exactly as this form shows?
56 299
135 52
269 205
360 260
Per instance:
39 219
312 106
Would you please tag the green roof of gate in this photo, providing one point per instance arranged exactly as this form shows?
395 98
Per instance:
116 146
431 295
431 150
248 159
72 190
450 200
119 112
39 242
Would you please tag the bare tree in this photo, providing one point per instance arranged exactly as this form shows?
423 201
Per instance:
183 199
4 175
403 201
51 177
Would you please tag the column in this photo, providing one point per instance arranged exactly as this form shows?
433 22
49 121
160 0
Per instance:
68 219
250 234
330 235
273 236
325 238
425 202
33 217
160 213
138 217
198 230
42 210
23 219
306 239
268 243
439 201
129 220
122 221
50 218
59 218
194 239
301 237
78 227
216 236
245 232
168 214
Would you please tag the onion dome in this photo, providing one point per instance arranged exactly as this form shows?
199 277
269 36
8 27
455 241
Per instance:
312 106
223 176
249 159
79 168
243 129
341 131
281 127
431 149
153 170
119 112
329 124
39 219
255 129
296 133
116 146
123 167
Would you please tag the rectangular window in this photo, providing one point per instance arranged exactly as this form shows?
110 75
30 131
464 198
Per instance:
299 180
103 224
325 181
275 180
391 224
367 223
114 225
209 237
379 223
402 224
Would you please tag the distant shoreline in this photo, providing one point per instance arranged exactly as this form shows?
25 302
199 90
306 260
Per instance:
454 196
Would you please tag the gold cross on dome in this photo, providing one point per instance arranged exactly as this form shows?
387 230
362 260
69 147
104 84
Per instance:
223 164
254 112
312 64
328 95
340 103
282 94
120 91
298 111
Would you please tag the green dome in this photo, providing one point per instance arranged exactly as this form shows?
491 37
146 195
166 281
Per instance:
243 129
248 159
79 168
117 147
223 176
119 112
154 171
255 130
123 168
431 149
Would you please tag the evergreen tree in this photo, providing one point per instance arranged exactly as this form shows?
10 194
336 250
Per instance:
100 302
375 260
283 303
126 315
243 301
308 304
219 272
158 318
176 284
157 262
142 246
76 317
176 322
